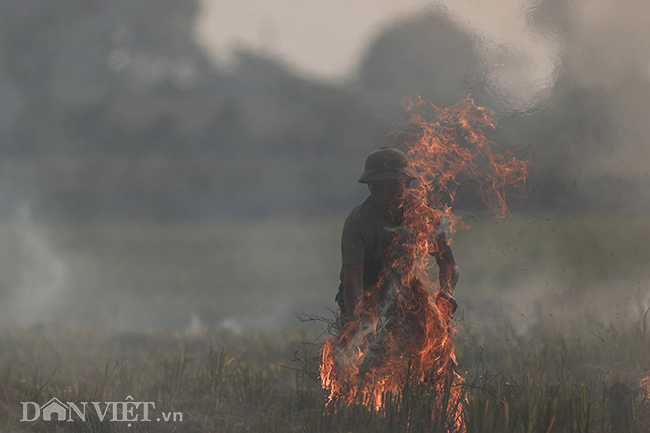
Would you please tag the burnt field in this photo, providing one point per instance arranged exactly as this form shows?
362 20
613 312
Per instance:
201 320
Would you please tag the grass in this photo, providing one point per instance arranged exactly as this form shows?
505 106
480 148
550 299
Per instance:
255 382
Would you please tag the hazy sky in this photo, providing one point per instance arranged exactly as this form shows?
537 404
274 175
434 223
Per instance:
326 38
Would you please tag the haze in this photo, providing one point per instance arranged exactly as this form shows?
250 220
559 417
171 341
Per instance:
149 180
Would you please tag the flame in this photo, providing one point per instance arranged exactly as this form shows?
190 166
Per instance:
404 331
645 386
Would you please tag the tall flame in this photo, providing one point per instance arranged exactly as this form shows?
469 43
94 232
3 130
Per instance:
404 328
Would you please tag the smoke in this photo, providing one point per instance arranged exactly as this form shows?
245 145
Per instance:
601 91
570 272
575 100
36 282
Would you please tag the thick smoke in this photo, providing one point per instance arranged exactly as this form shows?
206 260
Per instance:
592 131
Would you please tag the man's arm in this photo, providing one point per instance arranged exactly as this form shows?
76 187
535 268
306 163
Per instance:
352 289
448 275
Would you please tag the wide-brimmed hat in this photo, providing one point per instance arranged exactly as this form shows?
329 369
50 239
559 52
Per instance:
387 164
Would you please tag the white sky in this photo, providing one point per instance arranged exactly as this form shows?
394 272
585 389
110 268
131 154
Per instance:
326 38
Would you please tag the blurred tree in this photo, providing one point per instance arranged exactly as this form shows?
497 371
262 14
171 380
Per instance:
103 84
62 59
125 80
428 54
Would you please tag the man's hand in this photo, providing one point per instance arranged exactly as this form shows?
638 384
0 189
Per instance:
448 299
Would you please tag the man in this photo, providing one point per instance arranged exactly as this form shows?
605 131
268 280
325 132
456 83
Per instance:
366 233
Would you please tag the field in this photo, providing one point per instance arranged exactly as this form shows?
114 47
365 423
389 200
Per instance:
200 321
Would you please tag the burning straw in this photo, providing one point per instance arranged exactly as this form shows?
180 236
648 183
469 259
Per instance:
403 333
